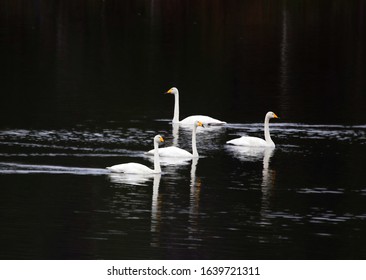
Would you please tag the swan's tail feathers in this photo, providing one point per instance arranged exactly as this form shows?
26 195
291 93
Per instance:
232 142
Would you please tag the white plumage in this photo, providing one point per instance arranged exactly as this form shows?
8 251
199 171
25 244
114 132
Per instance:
191 119
178 152
137 168
255 141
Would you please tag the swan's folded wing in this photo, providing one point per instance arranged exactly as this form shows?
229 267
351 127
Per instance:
248 141
204 119
131 168
171 152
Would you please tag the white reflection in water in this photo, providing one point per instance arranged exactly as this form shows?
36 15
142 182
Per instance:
268 183
175 127
195 191
155 212
172 161
251 153
144 180
130 179
207 137
268 174
171 165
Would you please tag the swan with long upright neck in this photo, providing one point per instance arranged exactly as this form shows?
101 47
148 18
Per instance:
191 119
178 152
255 141
137 168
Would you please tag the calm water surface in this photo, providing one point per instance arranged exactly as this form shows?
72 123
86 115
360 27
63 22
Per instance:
303 199
81 86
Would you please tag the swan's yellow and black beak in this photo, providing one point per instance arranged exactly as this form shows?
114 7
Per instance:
169 91
161 139
200 124
275 116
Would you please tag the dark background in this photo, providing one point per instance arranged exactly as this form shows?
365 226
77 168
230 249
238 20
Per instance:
68 62
81 85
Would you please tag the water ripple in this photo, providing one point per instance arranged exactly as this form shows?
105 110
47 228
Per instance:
18 168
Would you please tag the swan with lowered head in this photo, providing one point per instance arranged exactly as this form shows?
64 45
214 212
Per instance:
137 168
178 152
191 119
255 141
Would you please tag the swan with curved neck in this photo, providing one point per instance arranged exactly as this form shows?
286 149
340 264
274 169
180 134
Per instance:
137 168
255 141
178 152
191 119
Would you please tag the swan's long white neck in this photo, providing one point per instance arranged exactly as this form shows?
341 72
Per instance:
194 145
156 158
176 108
267 136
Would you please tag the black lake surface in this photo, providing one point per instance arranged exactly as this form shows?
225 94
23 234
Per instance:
82 87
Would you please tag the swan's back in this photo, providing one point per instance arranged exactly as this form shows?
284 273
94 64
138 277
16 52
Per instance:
172 152
204 119
249 141
131 168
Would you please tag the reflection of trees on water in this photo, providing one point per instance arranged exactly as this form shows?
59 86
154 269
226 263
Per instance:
284 63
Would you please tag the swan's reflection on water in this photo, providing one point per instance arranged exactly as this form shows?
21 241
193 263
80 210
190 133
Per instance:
268 183
194 203
244 153
268 174
130 179
175 130
256 154
155 212
143 180
170 165
208 138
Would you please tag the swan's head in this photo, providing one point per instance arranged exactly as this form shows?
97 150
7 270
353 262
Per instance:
173 90
271 115
198 123
158 139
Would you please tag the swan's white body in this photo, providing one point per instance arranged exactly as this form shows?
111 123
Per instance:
255 141
250 141
191 119
131 168
178 152
137 168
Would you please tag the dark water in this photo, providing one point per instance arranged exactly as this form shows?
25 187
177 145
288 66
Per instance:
81 85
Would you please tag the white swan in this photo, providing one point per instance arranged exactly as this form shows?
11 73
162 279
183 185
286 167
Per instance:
178 152
137 168
255 141
191 119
